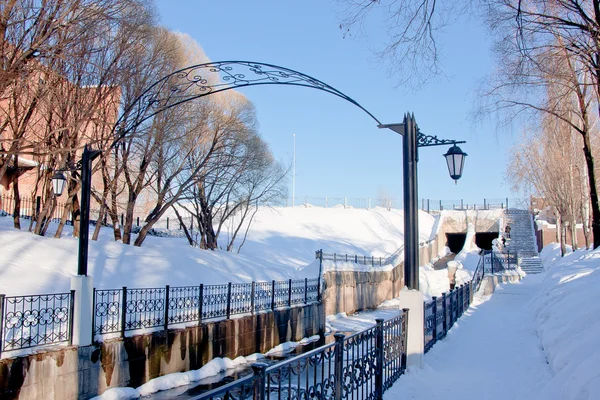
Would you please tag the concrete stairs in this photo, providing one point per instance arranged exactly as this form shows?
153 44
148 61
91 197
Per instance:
522 240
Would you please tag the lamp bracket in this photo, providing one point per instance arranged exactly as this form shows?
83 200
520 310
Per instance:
428 140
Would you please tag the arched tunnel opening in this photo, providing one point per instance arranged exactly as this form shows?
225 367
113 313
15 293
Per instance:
455 241
483 240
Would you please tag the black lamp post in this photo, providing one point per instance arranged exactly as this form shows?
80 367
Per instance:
412 139
58 184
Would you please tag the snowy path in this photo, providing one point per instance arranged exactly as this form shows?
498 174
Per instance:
493 352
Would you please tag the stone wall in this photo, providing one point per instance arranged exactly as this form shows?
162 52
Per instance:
81 373
351 291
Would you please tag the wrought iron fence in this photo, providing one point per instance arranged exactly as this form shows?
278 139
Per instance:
443 311
28 208
497 262
127 309
361 366
29 321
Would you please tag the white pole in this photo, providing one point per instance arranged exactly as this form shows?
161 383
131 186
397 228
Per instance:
294 172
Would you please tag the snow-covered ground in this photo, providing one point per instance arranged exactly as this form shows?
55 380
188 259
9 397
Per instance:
281 245
536 339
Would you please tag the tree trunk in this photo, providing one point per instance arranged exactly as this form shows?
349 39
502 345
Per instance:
185 229
17 207
589 161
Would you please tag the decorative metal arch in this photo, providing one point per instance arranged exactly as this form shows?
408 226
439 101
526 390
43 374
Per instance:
205 79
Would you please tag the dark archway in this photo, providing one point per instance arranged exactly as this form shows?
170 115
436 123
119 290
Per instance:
455 241
483 240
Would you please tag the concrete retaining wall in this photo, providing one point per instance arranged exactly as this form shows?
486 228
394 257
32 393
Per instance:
351 291
491 281
81 373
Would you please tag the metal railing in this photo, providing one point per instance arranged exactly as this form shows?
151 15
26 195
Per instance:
361 366
430 205
127 309
35 320
28 208
354 258
442 312
497 262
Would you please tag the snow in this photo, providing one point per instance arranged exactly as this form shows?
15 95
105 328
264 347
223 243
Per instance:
535 339
281 245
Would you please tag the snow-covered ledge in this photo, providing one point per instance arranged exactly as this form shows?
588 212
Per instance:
83 309
415 342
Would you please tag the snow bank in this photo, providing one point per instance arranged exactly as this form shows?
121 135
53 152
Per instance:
566 316
280 245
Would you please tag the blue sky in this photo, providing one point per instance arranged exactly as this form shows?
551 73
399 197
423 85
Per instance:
340 152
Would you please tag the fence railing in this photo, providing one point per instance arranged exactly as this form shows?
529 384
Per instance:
361 366
442 312
430 205
497 262
34 320
28 208
128 309
354 258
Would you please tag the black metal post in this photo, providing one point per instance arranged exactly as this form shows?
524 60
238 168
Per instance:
166 321
411 221
338 366
379 345
444 323
252 292
200 303
228 300
305 290
84 218
124 311
1 322
260 385
273 295
71 314
290 293
434 309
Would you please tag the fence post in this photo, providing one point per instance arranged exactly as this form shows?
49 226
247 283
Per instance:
121 219
228 300
290 293
93 315
356 258
427 205
273 295
507 203
434 298
305 290
260 385
200 303
339 365
484 204
379 345
252 292
123 310
444 324
166 307
71 314
167 222
1 322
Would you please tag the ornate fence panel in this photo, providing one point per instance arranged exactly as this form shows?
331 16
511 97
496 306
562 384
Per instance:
214 302
184 304
308 376
360 362
28 321
430 315
281 293
241 298
394 349
107 311
145 308
263 296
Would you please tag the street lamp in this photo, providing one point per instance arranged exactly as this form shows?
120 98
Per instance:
58 185
412 139
455 158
